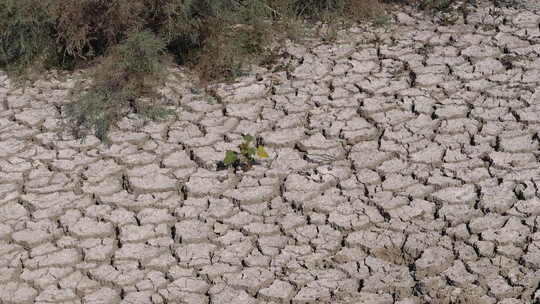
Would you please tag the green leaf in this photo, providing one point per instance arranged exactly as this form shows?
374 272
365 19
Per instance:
248 138
261 152
251 151
230 157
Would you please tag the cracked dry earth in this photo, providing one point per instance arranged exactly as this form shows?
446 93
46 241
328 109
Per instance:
404 168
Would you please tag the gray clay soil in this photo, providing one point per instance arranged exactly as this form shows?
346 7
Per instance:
404 168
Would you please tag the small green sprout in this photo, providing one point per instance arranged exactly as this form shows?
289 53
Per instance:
245 158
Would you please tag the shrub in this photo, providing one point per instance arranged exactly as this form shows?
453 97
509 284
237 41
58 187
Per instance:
86 28
126 79
26 31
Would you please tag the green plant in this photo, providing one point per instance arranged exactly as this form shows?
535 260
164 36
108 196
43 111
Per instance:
126 80
26 31
245 159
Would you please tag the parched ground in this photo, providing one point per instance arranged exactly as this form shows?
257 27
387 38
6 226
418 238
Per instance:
404 168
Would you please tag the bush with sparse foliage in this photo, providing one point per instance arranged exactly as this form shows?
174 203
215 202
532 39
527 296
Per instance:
131 70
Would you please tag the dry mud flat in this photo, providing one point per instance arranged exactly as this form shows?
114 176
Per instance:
404 168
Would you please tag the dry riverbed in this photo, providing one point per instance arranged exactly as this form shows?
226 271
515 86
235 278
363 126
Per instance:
404 168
